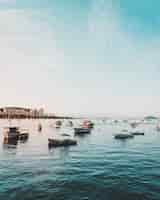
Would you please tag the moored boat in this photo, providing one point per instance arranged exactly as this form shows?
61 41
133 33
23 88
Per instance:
61 142
136 133
79 131
11 132
58 124
123 136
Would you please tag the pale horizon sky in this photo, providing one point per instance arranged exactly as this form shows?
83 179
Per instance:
84 57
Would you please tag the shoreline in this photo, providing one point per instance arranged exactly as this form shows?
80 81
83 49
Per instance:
42 117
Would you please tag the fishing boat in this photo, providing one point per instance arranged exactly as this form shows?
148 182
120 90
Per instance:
11 132
123 136
136 133
79 131
61 142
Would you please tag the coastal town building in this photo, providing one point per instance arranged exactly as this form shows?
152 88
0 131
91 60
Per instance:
20 112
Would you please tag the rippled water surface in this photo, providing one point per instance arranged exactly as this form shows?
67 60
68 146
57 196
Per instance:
98 168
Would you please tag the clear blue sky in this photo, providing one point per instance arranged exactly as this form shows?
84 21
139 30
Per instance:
96 57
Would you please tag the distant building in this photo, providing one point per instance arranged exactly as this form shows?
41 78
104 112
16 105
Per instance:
41 112
20 112
35 113
12 112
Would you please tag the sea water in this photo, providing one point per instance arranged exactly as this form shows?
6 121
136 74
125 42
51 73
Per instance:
98 168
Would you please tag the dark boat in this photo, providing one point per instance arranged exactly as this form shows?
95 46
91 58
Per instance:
58 124
61 142
137 133
11 133
79 131
10 143
123 136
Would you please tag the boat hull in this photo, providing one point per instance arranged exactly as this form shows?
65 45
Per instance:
123 136
137 133
61 142
81 131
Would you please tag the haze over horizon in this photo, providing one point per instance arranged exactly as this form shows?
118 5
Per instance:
85 57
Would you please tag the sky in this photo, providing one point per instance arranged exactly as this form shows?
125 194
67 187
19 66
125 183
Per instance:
81 57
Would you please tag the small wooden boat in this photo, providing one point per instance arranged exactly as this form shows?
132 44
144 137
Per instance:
137 133
79 131
61 142
11 132
123 136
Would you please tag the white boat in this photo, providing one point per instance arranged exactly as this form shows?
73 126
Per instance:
124 135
